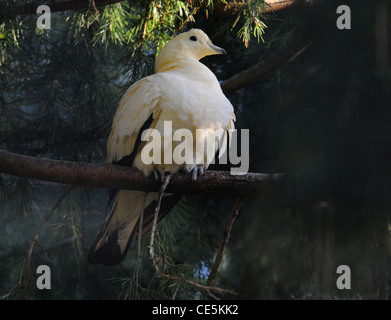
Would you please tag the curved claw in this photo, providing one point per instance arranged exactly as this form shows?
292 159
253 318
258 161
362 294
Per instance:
162 175
159 175
155 175
196 172
194 175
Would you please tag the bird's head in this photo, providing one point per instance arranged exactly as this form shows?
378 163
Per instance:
193 44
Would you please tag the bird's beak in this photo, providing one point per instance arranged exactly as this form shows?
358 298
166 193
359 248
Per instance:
217 49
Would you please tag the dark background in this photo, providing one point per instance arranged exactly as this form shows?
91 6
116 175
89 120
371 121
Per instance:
322 119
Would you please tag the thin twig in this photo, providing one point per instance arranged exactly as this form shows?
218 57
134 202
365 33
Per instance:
139 248
176 290
54 246
92 3
45 218
223 243
206 288
26 276
180 29
157 209
45 250
144 29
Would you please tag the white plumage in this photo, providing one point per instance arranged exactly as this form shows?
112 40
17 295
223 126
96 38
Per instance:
184 92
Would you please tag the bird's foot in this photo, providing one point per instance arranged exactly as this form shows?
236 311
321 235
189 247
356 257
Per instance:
159 175
196 171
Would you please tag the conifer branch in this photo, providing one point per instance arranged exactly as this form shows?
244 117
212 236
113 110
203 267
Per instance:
31 8
294 47
220 252
231 7
137 268
155 259
234 7
25 279
120 177
154 224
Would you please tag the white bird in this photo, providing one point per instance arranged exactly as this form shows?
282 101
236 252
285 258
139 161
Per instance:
185 92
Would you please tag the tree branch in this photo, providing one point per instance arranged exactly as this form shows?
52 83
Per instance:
64 6
231 7
119 177
157 261
288 52
294 47
234 7
223 243
24 283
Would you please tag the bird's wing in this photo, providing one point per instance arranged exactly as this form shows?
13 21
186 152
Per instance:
138 110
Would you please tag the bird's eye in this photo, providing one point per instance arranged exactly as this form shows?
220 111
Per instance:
193 38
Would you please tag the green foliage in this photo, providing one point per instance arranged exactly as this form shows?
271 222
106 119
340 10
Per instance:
253 21
59 89
322 119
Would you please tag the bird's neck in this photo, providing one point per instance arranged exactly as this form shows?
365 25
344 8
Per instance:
166 62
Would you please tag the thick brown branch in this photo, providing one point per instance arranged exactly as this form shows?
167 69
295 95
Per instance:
266 67
234 7
118 177
64 6
231 7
